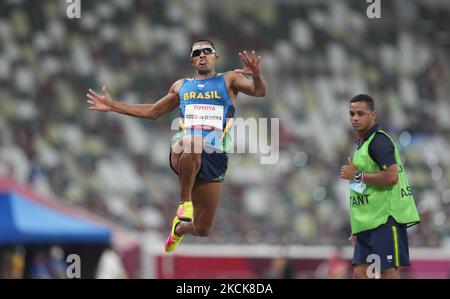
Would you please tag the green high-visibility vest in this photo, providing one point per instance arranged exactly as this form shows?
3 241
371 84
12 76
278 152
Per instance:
372 208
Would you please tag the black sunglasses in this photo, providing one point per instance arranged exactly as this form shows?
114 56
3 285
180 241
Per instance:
206 51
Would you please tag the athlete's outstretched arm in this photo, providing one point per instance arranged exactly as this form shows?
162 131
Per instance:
105 103
255 87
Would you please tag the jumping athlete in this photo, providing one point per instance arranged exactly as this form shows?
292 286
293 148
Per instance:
198 153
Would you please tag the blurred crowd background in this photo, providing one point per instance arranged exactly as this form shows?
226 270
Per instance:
315 54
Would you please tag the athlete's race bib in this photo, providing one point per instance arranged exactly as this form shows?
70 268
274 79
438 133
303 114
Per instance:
203 115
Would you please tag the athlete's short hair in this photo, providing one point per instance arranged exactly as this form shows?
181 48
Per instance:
364 98
203 40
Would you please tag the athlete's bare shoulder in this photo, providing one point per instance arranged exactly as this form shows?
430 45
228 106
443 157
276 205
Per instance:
231 77
175 88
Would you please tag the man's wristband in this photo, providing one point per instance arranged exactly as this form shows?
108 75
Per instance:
359 176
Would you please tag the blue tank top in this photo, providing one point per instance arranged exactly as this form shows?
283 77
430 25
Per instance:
206 108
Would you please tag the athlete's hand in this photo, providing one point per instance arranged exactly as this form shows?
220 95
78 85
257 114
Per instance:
99 103
348 171
252 64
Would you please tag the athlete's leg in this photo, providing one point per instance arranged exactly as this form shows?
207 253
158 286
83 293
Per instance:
391 273
360 271
194 216
205 199
175 155
185 158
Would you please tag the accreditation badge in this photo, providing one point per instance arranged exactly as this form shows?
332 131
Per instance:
358 187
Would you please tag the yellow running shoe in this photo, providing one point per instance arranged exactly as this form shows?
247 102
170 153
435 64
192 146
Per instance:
185 211
173 240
